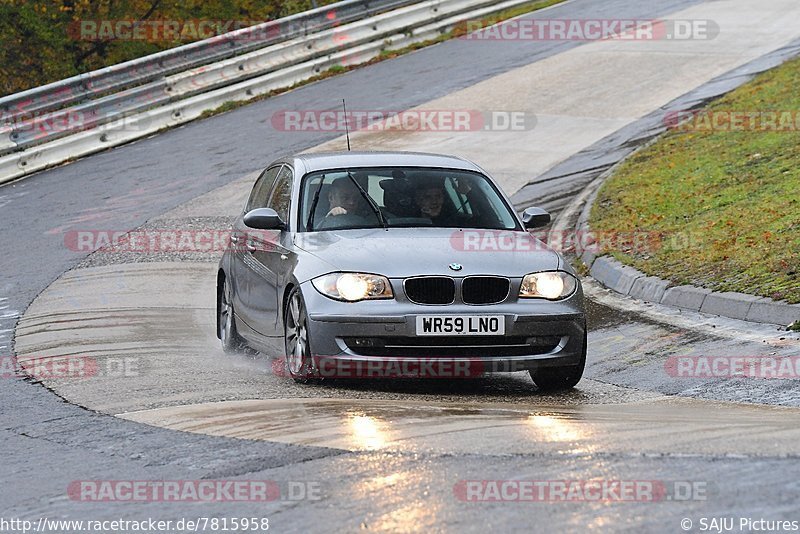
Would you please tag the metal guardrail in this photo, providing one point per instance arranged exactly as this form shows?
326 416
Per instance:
96 112
79 88
175 99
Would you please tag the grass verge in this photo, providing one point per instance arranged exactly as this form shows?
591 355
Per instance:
723 194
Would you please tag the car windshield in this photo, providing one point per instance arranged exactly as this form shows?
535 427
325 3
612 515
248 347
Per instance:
401 197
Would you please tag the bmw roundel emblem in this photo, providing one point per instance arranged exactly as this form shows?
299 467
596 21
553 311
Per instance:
456 266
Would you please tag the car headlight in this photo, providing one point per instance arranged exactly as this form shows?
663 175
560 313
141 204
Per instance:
551 285
352 287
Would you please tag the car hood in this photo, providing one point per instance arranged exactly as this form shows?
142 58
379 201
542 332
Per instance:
403 252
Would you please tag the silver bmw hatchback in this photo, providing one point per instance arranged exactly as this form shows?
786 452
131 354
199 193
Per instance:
378 264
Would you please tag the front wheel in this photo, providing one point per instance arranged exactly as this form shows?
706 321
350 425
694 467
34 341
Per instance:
560 378
298 353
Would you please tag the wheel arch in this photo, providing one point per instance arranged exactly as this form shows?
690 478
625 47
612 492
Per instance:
285 299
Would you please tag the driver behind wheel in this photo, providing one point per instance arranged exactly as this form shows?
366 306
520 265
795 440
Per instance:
345 198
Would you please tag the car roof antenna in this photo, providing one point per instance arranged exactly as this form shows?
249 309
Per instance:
346 128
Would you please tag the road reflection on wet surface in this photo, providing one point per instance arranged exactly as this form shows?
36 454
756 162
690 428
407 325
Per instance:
396 454
160 317
415 441
658 426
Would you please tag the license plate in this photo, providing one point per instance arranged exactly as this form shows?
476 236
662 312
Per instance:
460 325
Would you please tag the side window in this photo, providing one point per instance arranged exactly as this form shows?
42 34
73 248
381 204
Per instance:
262 187
281 195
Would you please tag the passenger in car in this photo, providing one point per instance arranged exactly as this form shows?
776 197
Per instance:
430 198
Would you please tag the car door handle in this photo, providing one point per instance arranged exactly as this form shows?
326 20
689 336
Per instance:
251 247
284 257
234 238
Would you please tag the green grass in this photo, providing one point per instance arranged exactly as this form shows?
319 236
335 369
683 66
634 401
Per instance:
726 202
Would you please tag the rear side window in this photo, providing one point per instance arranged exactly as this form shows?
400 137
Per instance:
281 196
261 189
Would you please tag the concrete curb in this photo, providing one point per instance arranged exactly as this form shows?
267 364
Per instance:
631 282
636 284
628 281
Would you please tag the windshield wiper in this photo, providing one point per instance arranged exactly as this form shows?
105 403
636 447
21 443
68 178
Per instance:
310 221
370 201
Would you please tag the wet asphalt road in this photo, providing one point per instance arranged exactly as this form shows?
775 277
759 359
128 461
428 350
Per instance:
122 188
48 443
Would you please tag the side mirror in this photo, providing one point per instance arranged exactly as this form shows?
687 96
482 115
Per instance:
263 219
535 218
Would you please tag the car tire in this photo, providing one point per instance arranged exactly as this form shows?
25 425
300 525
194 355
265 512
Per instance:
296 338
232 342
560 378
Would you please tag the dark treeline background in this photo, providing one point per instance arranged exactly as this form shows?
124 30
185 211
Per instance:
40 39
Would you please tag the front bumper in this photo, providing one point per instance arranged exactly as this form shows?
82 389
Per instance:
538 333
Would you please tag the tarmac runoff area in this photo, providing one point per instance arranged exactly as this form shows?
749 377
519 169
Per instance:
152 314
